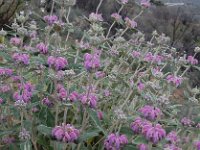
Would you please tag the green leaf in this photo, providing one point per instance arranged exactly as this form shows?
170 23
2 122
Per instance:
2 133
26 145
89 134
44 129
127 131
130 147
139 140
58 145
6 56
95 119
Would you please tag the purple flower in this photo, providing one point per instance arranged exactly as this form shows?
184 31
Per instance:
62 93
192 60
42 48
95 17
91 61
51 60
140 86
149 57
47 102
59 63
6 72
143 147
65 133
172 137
186 122
1 100
116 16
198 125
171 147
153 133
136 54
138 124
158 59
21 58
150 112
100 115
89 99
197 145
107 93
51 19
24 93
130 23
73 96
100 74
33 34
145 3
15 41
115 142
156 72
174 79
8 140
124 1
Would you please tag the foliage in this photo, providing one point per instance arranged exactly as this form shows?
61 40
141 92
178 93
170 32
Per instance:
100 91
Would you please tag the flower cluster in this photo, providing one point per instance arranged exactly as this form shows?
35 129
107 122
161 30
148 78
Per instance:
15 41
192 60
150 112
130 23
74 96
4 88
51 19
91 61
138 124
143 147
58 63
42 48
62 92
149 57
186 122
21 58
172 137
65 133
47 102
145 3
89 99
174 79
6 72
116 16
115 141
24 93
95 17
197 145
153 133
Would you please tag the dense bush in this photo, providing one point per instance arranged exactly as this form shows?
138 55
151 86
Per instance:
101 91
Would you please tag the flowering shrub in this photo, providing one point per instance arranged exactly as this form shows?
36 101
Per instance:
110 89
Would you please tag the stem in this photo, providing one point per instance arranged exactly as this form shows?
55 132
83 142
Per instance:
110 29
67 18
65 114
138 14
185 71
99 6
130 93
124 31
22 116
52 7
56 118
